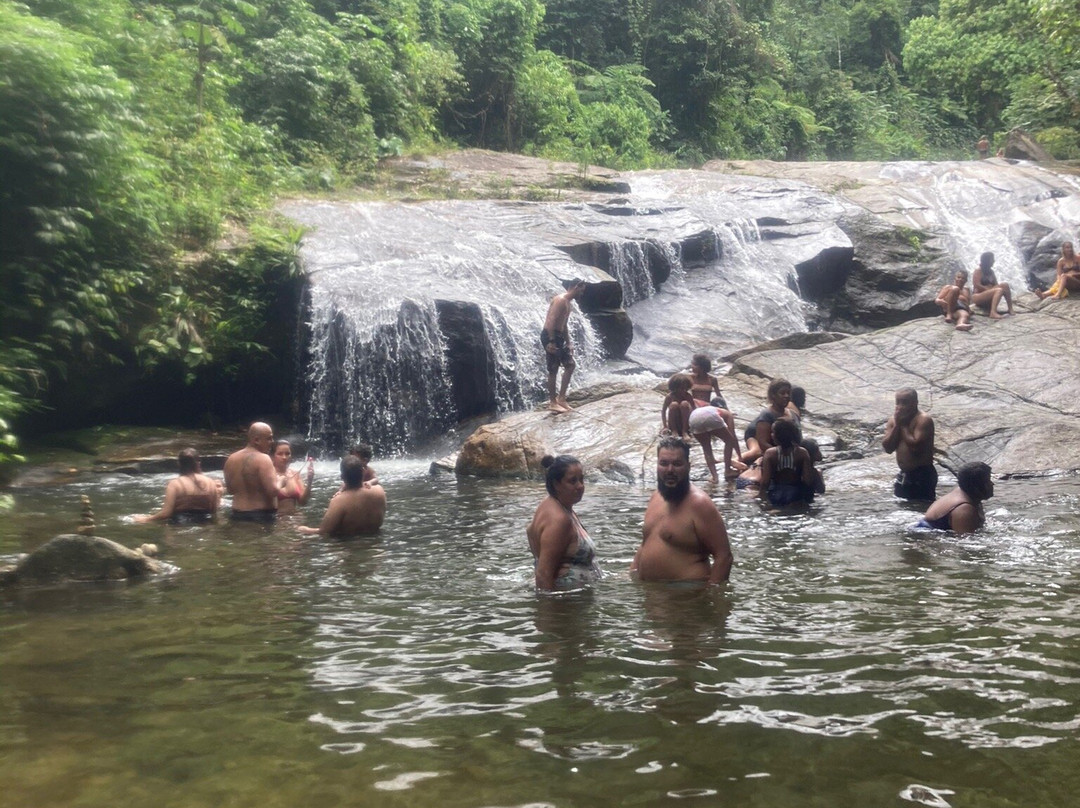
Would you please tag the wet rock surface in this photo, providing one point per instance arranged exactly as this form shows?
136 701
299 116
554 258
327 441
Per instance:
76 558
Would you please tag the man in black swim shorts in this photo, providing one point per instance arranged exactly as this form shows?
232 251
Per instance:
910 433
251 479
555 340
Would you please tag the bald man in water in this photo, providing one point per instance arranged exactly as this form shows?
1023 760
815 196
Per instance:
684 535
251 479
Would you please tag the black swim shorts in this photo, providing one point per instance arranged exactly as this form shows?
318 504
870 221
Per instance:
562 356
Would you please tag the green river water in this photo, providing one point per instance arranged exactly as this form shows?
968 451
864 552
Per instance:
849 662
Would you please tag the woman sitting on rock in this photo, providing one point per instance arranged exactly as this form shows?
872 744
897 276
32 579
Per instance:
563 553
758 435
1068 275
961 509
987 291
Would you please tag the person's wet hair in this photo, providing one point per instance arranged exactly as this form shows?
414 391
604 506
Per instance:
798 397
776 386
277 443
963 273
352 471
188 459
674 442
557 466
362 450
813 449
702 361
679 383
986 260
785 432
973 479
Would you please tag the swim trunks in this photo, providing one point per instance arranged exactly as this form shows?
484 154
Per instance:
258 515
706 419
919 483
563 356
191 517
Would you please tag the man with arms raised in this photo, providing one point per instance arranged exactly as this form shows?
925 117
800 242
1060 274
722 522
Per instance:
251 479
556 341
684 537
354 510
910 433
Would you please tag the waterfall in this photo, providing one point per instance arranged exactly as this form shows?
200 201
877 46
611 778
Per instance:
629 265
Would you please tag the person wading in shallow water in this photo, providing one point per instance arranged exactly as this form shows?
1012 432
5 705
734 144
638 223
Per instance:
910 433
556 342
251 479
191 498
356 509
685 538
961 509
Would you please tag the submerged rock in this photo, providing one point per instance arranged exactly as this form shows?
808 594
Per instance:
71 557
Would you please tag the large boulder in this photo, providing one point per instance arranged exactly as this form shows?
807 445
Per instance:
71 557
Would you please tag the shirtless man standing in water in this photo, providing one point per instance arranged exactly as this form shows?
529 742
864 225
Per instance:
556 341
359 508
684 536
251 479
910 433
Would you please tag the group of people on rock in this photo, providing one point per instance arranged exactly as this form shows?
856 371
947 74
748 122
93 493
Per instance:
684 537
955 299
987 292
263 486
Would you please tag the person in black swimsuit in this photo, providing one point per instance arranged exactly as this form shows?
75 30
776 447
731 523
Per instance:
190 498
961 509
987 292
787 471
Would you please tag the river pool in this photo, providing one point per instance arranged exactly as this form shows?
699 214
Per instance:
849 662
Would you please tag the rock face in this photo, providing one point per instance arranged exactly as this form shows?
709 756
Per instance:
1004 394
71 557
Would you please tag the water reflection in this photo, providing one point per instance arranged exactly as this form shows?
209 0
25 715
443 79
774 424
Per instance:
846 658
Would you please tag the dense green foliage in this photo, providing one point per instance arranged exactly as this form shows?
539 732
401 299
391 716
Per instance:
134 134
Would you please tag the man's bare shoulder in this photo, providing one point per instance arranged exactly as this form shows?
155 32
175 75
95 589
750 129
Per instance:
701 502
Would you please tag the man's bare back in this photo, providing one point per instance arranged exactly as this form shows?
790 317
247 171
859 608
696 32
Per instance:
355 512
250 475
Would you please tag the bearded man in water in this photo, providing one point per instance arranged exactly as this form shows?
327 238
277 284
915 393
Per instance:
684 535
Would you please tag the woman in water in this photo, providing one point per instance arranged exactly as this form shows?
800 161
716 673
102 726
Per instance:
1068 274
191 498
987 291
758 435
961 509
787 470
292 490
563 553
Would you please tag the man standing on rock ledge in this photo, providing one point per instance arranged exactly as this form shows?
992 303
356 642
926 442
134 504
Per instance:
684 535
556 341
910 433
251 479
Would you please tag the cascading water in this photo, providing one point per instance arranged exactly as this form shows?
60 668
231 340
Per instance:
422 316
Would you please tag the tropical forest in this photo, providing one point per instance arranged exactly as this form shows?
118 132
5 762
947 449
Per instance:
143 145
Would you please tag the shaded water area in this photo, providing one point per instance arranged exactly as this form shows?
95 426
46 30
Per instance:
849 661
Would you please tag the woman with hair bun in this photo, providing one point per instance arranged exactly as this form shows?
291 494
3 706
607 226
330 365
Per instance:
564 555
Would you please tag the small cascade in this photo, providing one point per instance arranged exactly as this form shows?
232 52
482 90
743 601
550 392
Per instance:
629 265
379 379
977 216
768 291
